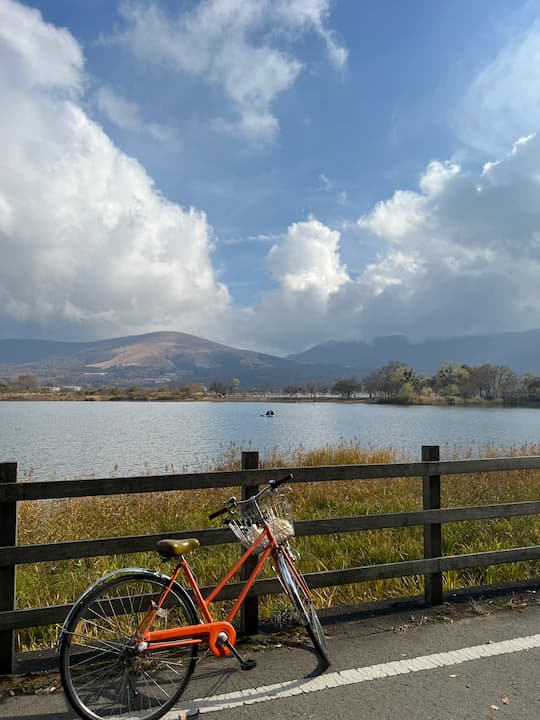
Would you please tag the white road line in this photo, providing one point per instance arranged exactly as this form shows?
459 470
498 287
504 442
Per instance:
354 676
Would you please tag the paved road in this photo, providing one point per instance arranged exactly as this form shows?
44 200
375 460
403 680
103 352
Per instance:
466 662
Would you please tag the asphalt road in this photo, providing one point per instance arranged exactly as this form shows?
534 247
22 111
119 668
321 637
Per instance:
469 661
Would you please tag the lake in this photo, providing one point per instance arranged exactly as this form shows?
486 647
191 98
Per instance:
83 439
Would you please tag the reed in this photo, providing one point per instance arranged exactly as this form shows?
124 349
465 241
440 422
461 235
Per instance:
44 584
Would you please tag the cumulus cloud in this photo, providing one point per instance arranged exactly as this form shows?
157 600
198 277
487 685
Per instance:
311 283
307 260
467 250
234 47
89 246
458 255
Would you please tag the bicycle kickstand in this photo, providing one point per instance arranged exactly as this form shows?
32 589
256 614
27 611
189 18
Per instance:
245 663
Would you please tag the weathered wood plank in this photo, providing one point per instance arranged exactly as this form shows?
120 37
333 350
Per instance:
40 490
421 567
45 616
24 554
431 491
328 526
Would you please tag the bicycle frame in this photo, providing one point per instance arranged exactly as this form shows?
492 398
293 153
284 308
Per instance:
209 632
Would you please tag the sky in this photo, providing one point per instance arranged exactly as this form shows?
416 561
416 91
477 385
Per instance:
270 174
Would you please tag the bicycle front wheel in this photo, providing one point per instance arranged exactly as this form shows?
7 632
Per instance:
104 675
295 586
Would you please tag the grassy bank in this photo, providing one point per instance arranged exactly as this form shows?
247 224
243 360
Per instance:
84 518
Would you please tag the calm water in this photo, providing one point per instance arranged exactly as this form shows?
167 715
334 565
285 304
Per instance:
80 439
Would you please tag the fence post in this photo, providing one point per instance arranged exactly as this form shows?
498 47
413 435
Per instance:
249 614
8 536
433 585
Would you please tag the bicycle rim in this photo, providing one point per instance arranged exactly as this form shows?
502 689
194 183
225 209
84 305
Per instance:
303 604
103 678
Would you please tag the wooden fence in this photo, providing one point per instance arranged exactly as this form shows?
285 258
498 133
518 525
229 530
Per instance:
432 517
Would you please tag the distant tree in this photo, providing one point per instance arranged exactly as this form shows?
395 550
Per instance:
373 382
406 392
449 390
446 375
346 387
506 381
464 377
396 376
26 382
292 389
235 384
492 381
421 384
531 385
389 379
219 388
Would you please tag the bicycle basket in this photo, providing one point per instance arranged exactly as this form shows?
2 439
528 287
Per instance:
273 508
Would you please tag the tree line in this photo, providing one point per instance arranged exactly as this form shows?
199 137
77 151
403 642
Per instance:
400 382
394 382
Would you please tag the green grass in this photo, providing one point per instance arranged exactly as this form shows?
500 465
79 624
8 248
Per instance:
43 584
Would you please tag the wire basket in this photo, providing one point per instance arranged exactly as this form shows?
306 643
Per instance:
248 518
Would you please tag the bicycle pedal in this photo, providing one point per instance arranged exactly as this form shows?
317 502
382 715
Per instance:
248 664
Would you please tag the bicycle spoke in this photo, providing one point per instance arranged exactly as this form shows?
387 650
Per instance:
102 673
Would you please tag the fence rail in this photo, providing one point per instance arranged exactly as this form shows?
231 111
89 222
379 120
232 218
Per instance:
431 517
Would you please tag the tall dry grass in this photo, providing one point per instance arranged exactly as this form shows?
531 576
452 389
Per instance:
43 584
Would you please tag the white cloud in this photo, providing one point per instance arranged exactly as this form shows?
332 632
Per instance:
470 245
307 259
127 115
503 101
311 285
89 246
37 54
119 111
228 44
459 255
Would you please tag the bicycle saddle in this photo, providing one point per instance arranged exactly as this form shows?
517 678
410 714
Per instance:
170 548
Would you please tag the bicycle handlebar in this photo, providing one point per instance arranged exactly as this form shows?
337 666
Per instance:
272 485
217 513
276 483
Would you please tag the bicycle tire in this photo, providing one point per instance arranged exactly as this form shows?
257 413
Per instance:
302 602
103 678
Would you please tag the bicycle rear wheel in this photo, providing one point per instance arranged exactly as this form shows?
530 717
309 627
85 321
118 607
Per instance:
300 597
103 675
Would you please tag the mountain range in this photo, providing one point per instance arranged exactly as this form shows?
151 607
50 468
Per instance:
181 358
153 358
520 351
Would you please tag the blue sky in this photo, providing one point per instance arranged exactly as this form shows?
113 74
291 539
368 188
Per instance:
269 173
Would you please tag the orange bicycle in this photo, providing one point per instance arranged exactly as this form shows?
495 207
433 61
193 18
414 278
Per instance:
129 645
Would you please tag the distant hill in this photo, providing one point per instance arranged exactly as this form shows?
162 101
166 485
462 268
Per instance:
151 358
181 358
519 351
